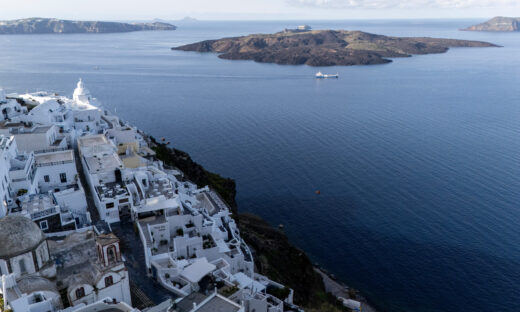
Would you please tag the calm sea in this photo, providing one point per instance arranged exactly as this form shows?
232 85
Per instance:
417 161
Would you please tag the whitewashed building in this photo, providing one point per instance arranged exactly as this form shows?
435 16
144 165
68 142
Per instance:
104 171
56 170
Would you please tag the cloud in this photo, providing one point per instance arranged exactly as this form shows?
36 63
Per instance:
402 4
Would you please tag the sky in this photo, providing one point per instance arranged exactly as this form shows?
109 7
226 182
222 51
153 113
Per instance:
256 9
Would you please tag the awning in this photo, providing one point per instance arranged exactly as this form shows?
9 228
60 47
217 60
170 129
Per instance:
197 270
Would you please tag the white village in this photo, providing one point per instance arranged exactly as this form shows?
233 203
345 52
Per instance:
91 220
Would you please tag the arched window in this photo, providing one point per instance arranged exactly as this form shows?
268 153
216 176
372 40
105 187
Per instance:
80 293
112 255
109 281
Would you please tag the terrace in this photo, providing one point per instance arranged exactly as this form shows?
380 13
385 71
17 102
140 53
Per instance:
54 158
111 190
103 163
160 187
36 206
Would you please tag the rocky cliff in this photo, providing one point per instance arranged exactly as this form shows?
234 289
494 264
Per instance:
51 25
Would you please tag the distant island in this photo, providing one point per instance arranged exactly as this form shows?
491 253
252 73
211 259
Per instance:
52 25
325 47
499 23
188 19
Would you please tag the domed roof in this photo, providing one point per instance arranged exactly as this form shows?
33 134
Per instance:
18 235
81 94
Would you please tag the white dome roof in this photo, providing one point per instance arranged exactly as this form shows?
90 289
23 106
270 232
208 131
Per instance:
81 94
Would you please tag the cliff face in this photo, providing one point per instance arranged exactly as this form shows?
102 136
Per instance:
498 23
50 25
274 256
277 259
325 47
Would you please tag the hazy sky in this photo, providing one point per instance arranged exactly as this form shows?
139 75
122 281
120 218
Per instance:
256 9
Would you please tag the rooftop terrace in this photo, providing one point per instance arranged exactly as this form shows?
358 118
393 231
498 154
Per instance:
160 187
103 163
36 206
111 190
54 158
92 140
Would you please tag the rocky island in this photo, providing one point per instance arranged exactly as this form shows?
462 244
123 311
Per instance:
498 23
52 25
325 47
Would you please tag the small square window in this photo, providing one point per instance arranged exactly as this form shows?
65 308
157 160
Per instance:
63 178
44 225
46 178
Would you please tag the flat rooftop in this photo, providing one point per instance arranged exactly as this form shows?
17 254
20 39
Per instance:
103 163
54 157
160 187
91 140
218 304
111 190
37 206
21 128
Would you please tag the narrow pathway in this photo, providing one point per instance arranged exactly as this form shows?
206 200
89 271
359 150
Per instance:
139 299
146 288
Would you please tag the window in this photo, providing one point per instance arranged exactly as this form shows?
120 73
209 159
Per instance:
109 281
80 292
110 205
44 225
63 178
21 264
112 256
46 178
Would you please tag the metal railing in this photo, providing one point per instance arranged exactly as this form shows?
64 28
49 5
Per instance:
54 163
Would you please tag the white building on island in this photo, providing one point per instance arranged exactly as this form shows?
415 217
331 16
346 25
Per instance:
190 240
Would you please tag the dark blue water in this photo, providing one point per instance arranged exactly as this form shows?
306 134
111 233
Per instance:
417 161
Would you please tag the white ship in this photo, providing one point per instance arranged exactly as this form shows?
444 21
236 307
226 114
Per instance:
320 75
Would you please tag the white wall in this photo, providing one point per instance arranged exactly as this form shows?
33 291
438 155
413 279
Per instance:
34 141
74 200
53 172
6 154
29 264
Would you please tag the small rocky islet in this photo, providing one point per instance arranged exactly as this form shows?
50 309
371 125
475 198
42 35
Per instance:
325 47
497 24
